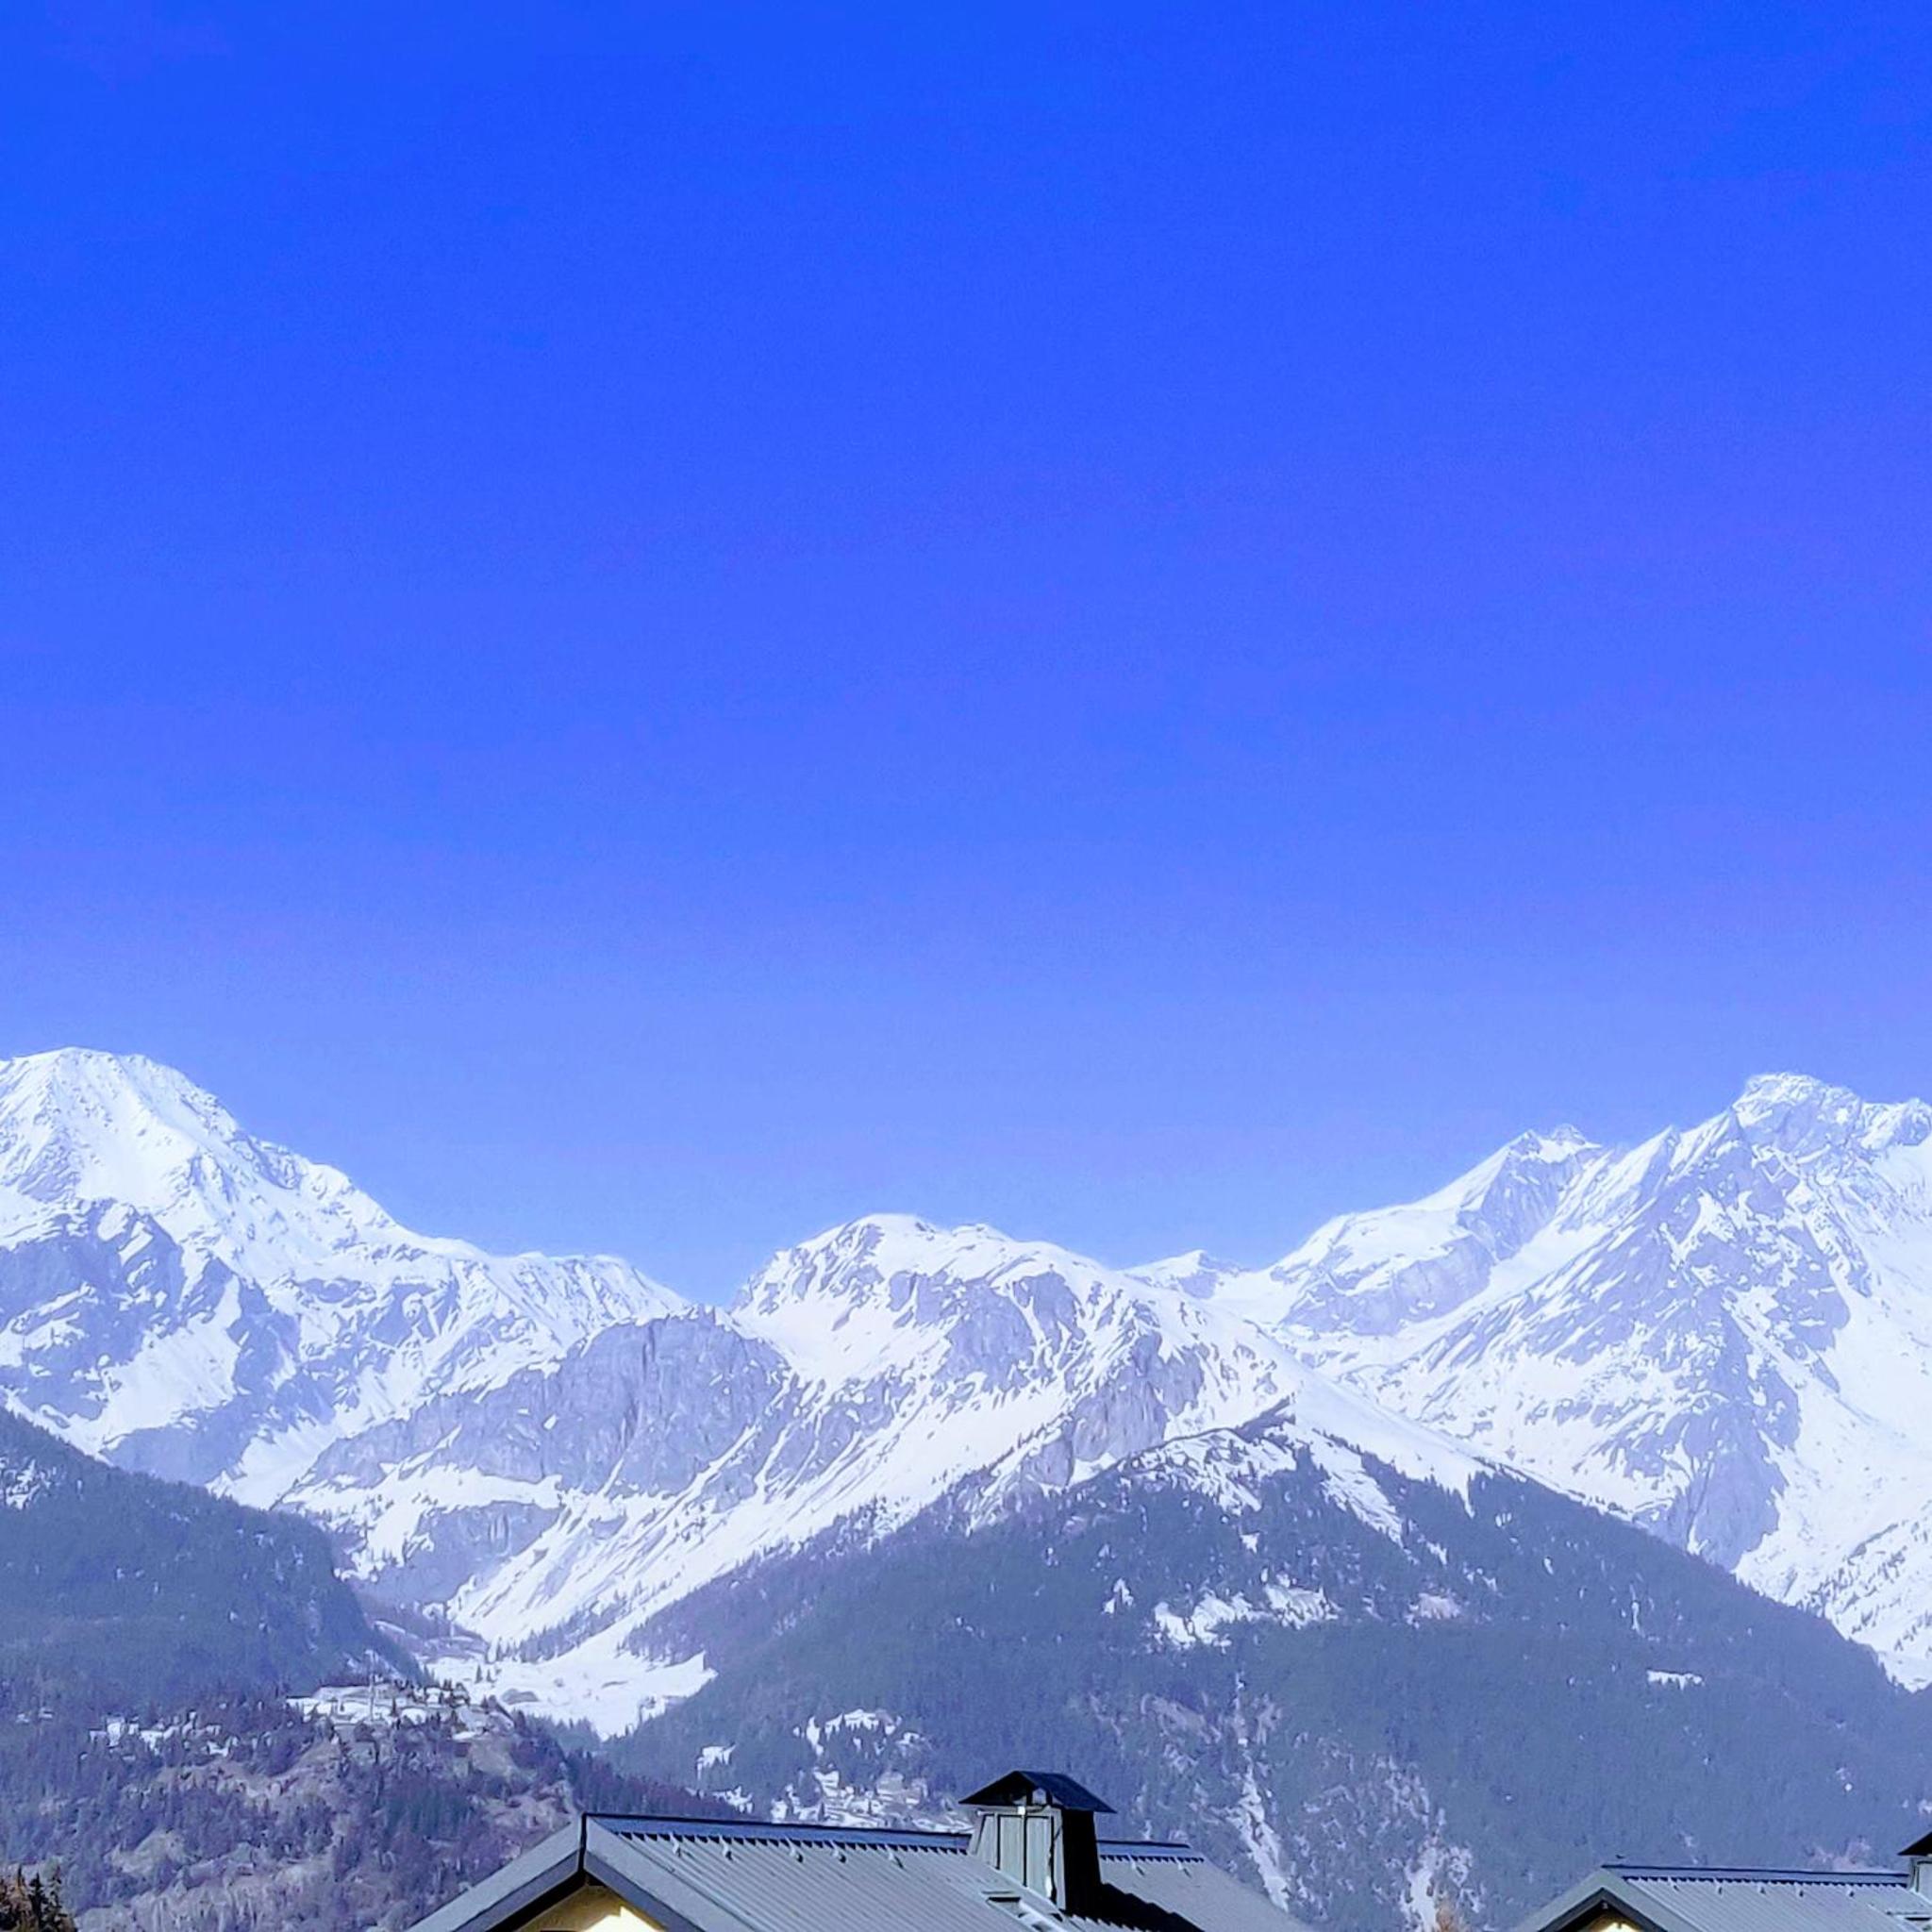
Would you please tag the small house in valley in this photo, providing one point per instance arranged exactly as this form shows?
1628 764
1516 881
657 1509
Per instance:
1035 1858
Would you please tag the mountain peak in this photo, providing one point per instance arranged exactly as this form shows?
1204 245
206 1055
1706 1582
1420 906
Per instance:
1768 1094
1801 1116
228 1285
79 1124
1196 1273
78 1082
1560 1143
883 1293
858 1255
1534 1161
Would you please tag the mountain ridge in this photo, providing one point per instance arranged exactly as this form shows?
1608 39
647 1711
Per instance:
862 1377
1724 1333
1380 1691
547 1453
265 1305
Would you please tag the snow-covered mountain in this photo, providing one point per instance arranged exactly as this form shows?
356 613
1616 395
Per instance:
546 1451
1724 1334
860 1377
1382 1682
190 1301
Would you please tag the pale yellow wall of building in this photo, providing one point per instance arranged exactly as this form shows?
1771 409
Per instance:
591 1907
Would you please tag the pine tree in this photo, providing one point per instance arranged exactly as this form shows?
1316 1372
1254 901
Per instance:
33 1905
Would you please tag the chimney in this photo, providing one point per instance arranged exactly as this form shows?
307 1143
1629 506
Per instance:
1918 1858
1036 1828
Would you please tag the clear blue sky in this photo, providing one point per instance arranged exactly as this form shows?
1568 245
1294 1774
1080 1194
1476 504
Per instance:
654 626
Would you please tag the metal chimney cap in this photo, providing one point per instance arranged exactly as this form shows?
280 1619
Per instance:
1037 1788
1919 1848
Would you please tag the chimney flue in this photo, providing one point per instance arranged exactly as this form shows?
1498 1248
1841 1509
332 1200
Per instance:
1036 1828
1918 1858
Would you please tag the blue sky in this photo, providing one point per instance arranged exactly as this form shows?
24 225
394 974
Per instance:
652 626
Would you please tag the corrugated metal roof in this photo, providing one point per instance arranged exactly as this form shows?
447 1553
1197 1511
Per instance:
741 1876
545 1869
1689 1899
769 1885
1198 1892
657 1825
1780 1902
747 1829
1750 1874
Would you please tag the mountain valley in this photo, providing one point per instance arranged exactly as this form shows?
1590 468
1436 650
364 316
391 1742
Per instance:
1270 1541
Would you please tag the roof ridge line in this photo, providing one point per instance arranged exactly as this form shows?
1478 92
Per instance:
1782 1873
674 1825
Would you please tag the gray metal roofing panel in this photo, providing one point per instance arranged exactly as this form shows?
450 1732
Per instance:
1766 1902
1595 1893
670 1898
1687 1899
804 1832
1200 1893
1755 1874
763 1884
905 1838
802 1881
546 1867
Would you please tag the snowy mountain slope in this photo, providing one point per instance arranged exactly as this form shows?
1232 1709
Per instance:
543 1452
999 1345
194 1302
1725 1335
860 1376
1374 1681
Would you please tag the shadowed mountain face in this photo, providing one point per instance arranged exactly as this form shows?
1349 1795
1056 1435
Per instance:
1371 1683
119 1590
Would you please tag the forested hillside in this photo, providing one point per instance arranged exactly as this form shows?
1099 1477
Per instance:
150 1636
247 1812
1362 1687
117 1588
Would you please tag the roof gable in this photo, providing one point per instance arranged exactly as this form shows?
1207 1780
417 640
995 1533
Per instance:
546 1871
1668 1898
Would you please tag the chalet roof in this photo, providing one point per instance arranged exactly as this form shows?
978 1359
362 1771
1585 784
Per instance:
739 1875
1680 1898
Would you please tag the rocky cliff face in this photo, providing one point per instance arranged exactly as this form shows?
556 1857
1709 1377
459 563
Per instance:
859 1378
